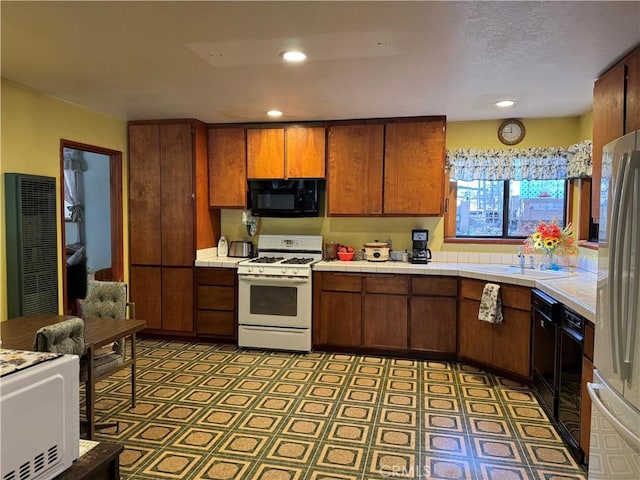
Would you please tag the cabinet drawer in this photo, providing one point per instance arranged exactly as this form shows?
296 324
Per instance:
516 297
215 323
511 295
439 286
471 289
215 276
339 282
215 298
398 284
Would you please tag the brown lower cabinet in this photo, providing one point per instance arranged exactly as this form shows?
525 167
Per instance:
384 322
505 347
585 400
174 286
395 313
216 303
432 321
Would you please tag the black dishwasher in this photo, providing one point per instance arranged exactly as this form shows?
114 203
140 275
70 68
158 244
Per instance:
570 367
546 315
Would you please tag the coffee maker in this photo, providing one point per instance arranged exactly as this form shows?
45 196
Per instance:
420 253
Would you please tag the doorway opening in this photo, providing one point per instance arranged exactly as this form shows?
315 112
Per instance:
91 211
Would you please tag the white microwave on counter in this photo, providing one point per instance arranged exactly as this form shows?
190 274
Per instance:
39 416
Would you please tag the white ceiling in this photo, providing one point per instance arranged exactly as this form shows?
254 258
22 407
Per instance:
219 61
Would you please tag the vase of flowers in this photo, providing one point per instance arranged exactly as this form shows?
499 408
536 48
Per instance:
550 239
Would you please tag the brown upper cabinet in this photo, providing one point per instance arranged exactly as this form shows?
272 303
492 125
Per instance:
291 152
616 111
161 191
414 168
395 168
227 167
354 184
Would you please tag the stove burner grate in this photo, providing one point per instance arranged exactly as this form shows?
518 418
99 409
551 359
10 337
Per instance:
266 260
298 261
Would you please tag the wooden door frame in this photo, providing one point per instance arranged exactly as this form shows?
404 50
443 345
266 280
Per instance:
115 188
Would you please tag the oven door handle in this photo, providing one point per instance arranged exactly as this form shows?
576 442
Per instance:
269 278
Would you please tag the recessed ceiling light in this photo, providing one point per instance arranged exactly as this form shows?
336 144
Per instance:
294 56
274 113
505 103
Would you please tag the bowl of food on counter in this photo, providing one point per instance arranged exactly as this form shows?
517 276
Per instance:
346 253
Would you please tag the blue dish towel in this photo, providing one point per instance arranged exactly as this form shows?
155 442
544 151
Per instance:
490 304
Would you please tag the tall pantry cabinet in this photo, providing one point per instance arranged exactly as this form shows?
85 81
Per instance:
169 219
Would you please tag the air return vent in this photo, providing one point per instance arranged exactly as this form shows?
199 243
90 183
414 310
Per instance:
32 257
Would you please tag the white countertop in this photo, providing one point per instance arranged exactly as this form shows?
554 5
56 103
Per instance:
577 291
215 261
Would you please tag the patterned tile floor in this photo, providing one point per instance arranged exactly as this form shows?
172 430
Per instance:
217 412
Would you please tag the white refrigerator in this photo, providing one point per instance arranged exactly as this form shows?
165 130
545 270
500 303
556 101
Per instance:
615 391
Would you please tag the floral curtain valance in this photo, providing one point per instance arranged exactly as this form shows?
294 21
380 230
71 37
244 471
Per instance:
579 160
520 164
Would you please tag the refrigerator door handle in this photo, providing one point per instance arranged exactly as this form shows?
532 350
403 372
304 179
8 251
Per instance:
630 438
630 194
616 229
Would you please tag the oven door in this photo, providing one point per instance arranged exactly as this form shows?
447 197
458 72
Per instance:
267 301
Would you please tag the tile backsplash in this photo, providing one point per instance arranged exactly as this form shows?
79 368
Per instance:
587 262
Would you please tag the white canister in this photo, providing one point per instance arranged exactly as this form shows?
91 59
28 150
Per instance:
223 247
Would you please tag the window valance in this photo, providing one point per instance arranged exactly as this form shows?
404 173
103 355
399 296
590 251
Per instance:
579 160
552 163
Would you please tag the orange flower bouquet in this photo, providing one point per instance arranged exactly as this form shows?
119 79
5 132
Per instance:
552 240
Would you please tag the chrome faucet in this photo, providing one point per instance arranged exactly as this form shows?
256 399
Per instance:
521 257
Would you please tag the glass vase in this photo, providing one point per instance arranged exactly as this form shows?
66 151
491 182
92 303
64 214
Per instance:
549 261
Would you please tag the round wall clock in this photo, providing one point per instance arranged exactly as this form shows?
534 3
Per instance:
511 131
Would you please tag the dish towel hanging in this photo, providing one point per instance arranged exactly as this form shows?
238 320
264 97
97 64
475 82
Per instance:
490 304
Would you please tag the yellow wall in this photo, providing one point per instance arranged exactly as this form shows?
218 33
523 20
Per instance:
585 126
32 126
543 132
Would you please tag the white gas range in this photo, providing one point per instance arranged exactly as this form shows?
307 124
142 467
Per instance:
275 291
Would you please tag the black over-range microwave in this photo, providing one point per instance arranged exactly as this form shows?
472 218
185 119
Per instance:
285 198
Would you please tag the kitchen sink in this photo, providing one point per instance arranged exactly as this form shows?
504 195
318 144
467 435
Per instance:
516 271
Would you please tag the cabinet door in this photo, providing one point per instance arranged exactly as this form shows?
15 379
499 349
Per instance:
475 337
512 341
305 152
632 122
146 289
608 118
144 195
414 168
355 170
177 299
384 322
340 319
585 406
265 153
227 168
177 195
432 325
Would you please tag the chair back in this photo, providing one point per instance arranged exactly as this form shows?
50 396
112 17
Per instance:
104 299
62 337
